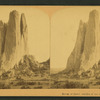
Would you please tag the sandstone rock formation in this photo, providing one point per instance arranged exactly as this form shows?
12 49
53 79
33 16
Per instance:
2 37
28 68
86 52
74 60
13 40
24 35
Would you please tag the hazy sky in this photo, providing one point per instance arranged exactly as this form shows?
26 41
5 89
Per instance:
64 27
38 29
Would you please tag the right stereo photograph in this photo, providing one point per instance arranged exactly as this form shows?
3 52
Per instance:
75 48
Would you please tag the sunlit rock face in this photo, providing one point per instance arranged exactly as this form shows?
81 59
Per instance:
86 52
74 60
14 40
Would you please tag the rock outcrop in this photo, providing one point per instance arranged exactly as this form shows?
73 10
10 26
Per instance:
28 68
13 41
86 52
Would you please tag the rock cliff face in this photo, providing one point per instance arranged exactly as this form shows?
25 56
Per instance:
13 41
74 60
86 52
24 35
2 37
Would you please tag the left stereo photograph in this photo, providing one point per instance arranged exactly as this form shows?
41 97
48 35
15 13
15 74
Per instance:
24 48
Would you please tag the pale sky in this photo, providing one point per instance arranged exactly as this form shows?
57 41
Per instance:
38 29
64 27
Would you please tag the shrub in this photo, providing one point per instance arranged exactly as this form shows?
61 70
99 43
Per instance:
20 83
97 83
39 83
67 84
39 87
31 83
76 85
4 86
25 87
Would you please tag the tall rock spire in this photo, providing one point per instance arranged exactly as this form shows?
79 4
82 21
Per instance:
74 60
91 45
87 48
15 40
12 35
24 32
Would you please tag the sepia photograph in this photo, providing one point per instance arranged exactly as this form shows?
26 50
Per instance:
75 48
24 48
49 50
